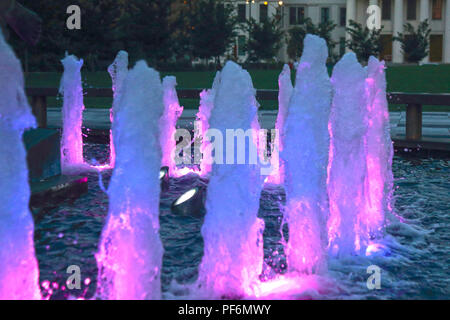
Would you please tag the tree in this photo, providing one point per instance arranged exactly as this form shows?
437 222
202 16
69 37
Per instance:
264 39
145 29
98 40
364 42
180 19
415 44
297 36
213 29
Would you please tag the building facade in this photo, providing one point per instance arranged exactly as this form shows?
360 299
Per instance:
394 14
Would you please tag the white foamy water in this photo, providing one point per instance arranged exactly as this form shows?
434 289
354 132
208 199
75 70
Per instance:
232 233
130 251
347 170
305 154
207 98
19 274
72 115
168 122
284 97
379 154
118 71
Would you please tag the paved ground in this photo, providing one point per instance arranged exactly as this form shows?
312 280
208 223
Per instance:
436 125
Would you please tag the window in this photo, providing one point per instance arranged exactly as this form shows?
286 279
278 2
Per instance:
411 9
301 14
241 45
386 10
241 12
437 9
296 15
343 17
436 47
263 13
324 14
386 47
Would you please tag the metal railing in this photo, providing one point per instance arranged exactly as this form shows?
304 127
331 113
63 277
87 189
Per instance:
412 101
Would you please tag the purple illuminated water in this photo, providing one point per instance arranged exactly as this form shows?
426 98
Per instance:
380 151
19 273
207 98
284 97
305 154
347 170
118 71
130 251
254 242
232 233
72 114
168 122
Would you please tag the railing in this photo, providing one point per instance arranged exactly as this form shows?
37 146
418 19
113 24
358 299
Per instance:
413 102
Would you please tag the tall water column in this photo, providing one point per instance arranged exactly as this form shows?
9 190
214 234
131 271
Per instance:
19 273
72 114
118 71
232 233
305 155
348 167
130 250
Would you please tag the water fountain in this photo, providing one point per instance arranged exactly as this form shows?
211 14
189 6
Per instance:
305 154
72 114
379 154
118 71
284 96
207 98
336 159
130 251
168 122
232 233
347 168
19 274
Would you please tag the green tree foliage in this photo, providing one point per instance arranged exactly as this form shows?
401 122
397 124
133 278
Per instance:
364 42
415 44
264 39
297 36
139 26
145 31
213 29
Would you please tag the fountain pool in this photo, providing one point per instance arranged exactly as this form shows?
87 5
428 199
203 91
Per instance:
414 268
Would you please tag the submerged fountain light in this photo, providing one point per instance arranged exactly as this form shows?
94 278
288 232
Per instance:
190 203
164 178
163 173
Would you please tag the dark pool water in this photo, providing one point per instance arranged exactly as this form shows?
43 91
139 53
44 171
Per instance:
417 266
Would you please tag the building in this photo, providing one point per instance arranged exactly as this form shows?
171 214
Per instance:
394 14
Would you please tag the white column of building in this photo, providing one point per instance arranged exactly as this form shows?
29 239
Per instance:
350 15
314 13
397 55
335 18
423 15
447 33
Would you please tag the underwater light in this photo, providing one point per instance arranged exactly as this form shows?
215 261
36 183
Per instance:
164 178
163 173
190 203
